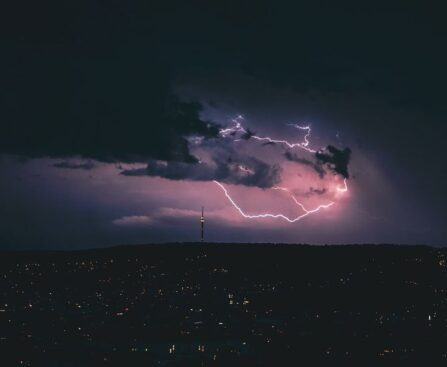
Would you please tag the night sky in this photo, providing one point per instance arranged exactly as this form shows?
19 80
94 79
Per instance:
117 118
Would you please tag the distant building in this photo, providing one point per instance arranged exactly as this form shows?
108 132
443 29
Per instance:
202 225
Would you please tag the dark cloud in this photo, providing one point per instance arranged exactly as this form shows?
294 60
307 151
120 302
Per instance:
93 79
72 165
268 143
248 171
315 191
247 134
316 166
60 102
337 159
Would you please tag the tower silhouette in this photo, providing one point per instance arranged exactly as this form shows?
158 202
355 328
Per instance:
202 224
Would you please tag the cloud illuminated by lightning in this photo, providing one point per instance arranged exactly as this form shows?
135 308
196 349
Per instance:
238 128
270 215
344 188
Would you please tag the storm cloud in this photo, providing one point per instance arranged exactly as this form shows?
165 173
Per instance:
248 171
315 191
316 166
75 165
117 109
338 160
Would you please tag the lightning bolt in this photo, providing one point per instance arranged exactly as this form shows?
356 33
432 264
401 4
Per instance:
344 188
238 128
269 215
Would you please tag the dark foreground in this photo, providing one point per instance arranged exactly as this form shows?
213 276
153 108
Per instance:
224 305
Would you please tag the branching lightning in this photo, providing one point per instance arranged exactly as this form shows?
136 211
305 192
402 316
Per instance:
270 215
344 188
238 128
